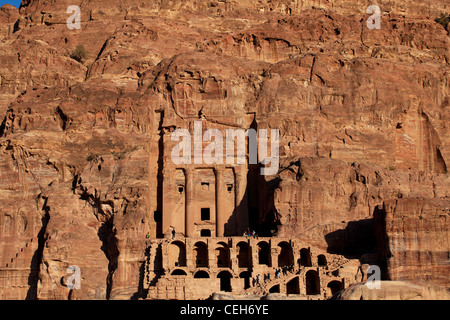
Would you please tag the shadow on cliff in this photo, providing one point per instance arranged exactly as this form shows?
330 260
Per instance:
110 249
356 239
365 240
141 293
256 211
36 260
383 249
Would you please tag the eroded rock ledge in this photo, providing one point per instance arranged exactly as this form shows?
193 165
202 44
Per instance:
364 140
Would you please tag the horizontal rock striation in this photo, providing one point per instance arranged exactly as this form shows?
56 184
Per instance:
363 115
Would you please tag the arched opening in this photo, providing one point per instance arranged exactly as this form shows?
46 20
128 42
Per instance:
321 260
333 287
305 258
293 286
275 289
201 275
222 256
264 253
312 282
177 254
225 281
246 275
286 256
179 272
243 255
200 255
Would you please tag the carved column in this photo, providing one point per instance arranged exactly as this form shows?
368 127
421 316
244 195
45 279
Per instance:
274 252
189 219
220 203
241 216
234 260
254 253
165 256
296 253
167 209
212 260
189 255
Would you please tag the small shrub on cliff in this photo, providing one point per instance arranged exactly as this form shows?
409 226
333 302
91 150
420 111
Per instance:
79 53
443 20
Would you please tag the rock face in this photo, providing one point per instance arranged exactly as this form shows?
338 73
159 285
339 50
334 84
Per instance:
394 290
415 240
364 145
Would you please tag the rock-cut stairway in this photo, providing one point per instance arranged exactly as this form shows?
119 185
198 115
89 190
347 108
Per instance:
25 252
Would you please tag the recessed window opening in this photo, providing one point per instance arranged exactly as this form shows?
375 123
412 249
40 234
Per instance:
205 214
205 233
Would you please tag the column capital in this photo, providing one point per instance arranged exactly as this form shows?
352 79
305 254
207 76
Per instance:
240 170
188 169
219 169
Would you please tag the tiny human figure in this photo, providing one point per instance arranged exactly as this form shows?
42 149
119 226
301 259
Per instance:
258 278
147 235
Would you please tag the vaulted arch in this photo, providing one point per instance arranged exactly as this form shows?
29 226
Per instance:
179 272
305 258
177 254
333 287
243 254
246 275
286 255
312 282
200 254
264 253
222 255
275 289
293 286
202 274
321 260
225 281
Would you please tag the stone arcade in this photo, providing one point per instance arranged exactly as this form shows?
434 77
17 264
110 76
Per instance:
87 179
194 268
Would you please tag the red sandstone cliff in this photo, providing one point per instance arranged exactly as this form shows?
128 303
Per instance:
363 118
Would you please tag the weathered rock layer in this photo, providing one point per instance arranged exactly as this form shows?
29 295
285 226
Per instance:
363 115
